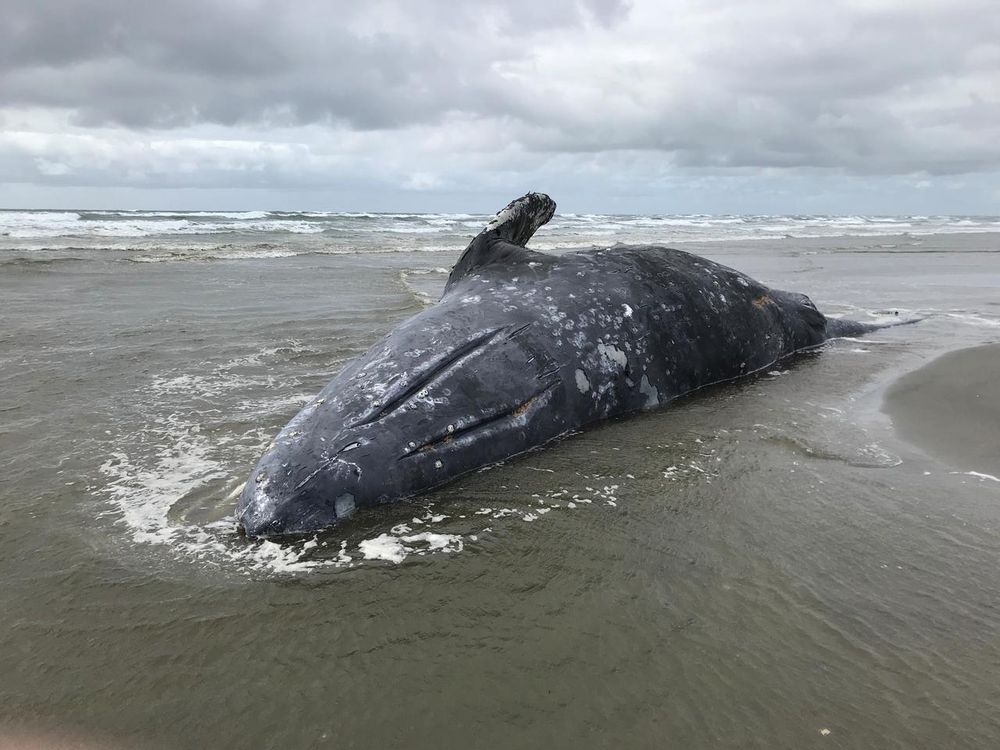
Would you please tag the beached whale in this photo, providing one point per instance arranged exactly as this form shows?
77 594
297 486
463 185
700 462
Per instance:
521 349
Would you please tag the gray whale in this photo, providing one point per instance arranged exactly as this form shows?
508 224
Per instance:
522 348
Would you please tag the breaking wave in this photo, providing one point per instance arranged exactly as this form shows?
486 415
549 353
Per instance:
698 227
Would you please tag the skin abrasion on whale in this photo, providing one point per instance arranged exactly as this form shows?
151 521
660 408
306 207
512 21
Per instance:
522 348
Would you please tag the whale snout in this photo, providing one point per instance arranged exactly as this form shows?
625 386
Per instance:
413 414
312 479
284 496
267 509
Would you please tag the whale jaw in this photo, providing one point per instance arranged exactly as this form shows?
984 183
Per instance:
265 510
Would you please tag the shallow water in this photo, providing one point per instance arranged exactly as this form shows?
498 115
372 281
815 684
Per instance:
747 567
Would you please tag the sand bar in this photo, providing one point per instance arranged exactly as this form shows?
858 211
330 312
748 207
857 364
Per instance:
950 408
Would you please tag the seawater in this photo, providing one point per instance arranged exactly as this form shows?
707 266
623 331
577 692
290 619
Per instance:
748 567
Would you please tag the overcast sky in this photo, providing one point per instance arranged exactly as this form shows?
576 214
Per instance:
714 106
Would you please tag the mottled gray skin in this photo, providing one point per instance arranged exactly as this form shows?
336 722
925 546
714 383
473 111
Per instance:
522 348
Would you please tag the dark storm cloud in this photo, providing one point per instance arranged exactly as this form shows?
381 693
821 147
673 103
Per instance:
864 86
177 63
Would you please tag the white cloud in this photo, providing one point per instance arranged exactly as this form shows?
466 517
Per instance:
410 99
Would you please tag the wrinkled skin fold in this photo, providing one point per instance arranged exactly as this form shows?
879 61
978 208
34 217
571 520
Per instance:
522 348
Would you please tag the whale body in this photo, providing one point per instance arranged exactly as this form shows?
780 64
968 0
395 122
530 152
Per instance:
522 348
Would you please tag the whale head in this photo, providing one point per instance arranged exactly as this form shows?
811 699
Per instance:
430 403
308 479
458 386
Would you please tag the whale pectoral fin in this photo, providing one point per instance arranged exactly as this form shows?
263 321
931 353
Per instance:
506 235
519 221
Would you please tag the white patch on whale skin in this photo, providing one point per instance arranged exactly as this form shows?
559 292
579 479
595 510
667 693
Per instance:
628 311
344 505
648 390
613 353
581 381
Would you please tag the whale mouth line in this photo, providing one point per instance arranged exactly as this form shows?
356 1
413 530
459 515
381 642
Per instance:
327 463
396 400
513 413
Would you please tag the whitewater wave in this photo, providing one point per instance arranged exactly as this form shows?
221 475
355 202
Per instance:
681 227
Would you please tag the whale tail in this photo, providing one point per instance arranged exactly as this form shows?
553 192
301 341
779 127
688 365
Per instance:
505 234
841 328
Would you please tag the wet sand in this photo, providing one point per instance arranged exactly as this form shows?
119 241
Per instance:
950 408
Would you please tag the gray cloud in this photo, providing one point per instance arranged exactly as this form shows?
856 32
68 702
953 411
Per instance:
183 62
438 95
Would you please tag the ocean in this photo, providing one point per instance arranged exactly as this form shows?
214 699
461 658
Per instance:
150 236
806 558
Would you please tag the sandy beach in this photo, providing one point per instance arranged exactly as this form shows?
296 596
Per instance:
951 408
